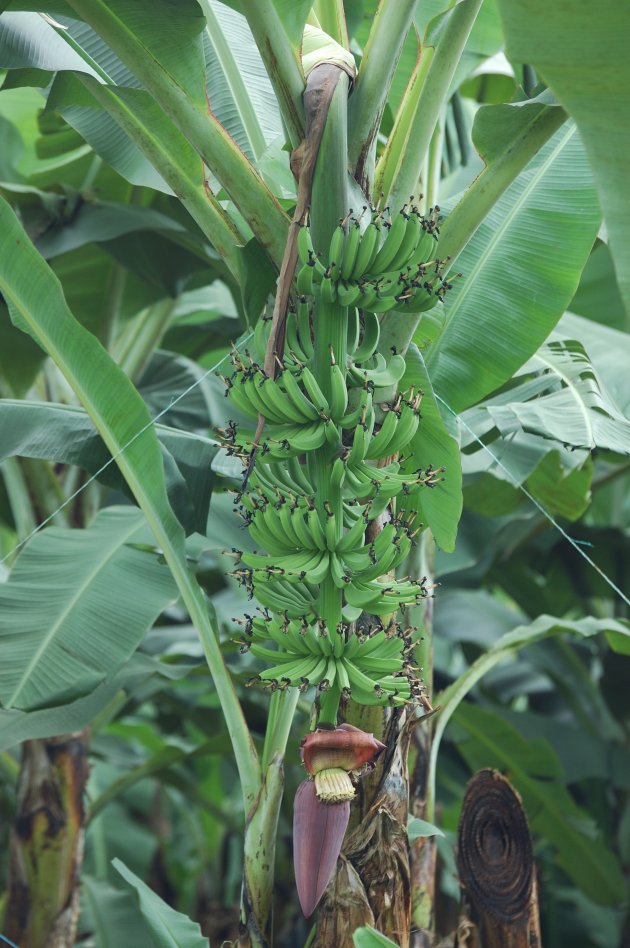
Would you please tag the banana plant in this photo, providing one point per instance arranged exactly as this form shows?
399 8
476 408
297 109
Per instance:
364 301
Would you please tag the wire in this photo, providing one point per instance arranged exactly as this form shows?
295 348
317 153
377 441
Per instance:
114 457
545 513
497 461
8 941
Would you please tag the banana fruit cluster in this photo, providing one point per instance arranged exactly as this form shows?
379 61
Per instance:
391 265
328 464
368 669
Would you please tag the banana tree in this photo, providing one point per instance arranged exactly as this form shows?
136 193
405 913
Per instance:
364 306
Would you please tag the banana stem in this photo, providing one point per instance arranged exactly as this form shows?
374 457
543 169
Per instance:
433 95
329 206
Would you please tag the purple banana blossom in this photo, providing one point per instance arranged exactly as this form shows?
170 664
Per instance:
322 805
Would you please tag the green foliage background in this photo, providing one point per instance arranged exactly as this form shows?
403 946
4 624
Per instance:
528 366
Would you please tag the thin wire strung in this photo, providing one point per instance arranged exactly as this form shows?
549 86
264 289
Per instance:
537 504
497 461
118 454
8 941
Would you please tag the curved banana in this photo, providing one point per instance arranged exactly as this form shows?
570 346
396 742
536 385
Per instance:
368 247
350 250
369 339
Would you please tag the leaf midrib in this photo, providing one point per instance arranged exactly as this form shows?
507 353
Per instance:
507 221
234 80
573 389
79 592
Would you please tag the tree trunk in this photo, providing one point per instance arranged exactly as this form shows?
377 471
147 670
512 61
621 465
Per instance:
372 883
496 864
423 850
46 845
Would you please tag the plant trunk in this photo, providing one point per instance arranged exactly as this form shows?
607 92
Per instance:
372 882
496 864
260 851
423 850
46 845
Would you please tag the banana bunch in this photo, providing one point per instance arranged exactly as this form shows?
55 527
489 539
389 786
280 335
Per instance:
391 264
329 463
369 668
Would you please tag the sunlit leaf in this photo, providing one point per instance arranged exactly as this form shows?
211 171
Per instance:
63 632
520 270
580 49
572 407
440 506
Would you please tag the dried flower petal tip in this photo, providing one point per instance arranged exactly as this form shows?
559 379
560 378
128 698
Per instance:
345 747
318 832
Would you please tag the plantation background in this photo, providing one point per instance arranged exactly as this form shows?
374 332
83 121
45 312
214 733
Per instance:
140 275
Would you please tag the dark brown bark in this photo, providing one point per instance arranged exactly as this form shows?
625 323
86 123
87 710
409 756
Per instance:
496 864
46 845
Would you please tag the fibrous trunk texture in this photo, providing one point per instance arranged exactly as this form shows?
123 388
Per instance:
46 844
496 865
372 883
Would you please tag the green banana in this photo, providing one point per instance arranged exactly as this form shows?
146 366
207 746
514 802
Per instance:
409 243
304 282
303 323
338 392
350 250
314 391
379 443
368 248
302 404
315 573
382 262
369 340
336 251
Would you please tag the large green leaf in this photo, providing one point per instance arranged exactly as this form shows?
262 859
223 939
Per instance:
37 304
112 915
533 768
440 506
239 91
65 434
609 352
169 929
76 605
581 50
569 403
28 41
18 726
520 269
